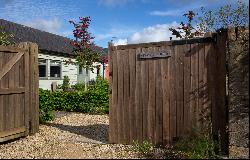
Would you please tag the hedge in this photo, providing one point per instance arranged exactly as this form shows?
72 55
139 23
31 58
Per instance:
93 101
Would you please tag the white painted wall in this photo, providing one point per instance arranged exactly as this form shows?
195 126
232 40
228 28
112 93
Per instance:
92 76
72 71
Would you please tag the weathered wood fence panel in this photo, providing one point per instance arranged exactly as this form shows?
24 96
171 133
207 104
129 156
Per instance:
160 98
19 110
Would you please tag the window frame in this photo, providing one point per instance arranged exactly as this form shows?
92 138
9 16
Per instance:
52 64
46 68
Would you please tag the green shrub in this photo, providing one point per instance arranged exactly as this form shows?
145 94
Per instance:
78 87
197 147
65 85
144 148
95 100
45 106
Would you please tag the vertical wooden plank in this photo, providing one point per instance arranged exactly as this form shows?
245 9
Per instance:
196 89
22 96
16 98
132 81
36 88
212 89
144 86
166 99
111 110
21 71
187 89
11 105
31 88
120 96
138 98
201 87
221 109
34 85
126 114
115 96
180 91
7 111
158 99
27 88
151 100
207 76
194 84
172 82
181 85
24 79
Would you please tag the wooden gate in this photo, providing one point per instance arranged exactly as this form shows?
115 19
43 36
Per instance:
17 91
163 91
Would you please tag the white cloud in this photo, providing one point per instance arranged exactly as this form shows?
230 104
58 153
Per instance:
113 2
115 32
52 25
156 33
120 42
167 13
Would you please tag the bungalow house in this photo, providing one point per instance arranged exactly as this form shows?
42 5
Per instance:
54 50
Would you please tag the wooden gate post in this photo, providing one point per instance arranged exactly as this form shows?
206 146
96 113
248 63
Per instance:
33 86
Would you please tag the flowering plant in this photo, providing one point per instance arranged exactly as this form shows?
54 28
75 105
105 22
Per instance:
84 54
188 30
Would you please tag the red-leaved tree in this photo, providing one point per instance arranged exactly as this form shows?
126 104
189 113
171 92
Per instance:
83 44
186 28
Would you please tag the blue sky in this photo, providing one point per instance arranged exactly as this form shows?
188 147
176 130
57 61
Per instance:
124 21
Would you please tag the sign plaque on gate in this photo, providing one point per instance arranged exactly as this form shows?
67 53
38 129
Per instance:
160 54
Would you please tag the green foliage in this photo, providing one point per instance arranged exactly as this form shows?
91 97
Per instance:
84 54
65 85
81 101
78 87
224 17
213 20
144 148
45 106
95 100
197 147
186 28
5 37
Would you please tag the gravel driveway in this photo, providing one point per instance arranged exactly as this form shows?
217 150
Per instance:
70 135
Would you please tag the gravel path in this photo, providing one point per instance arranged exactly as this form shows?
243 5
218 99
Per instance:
70 135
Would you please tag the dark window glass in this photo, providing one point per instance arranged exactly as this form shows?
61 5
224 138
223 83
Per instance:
55 71
98 71
80 70
42 67
42 70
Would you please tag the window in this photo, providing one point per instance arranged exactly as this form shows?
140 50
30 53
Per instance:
80 70
98 70
42 68
55 69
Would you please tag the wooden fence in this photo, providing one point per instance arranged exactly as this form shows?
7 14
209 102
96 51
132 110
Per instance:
163 91
19 110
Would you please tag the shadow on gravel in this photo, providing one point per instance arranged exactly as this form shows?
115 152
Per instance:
97 132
